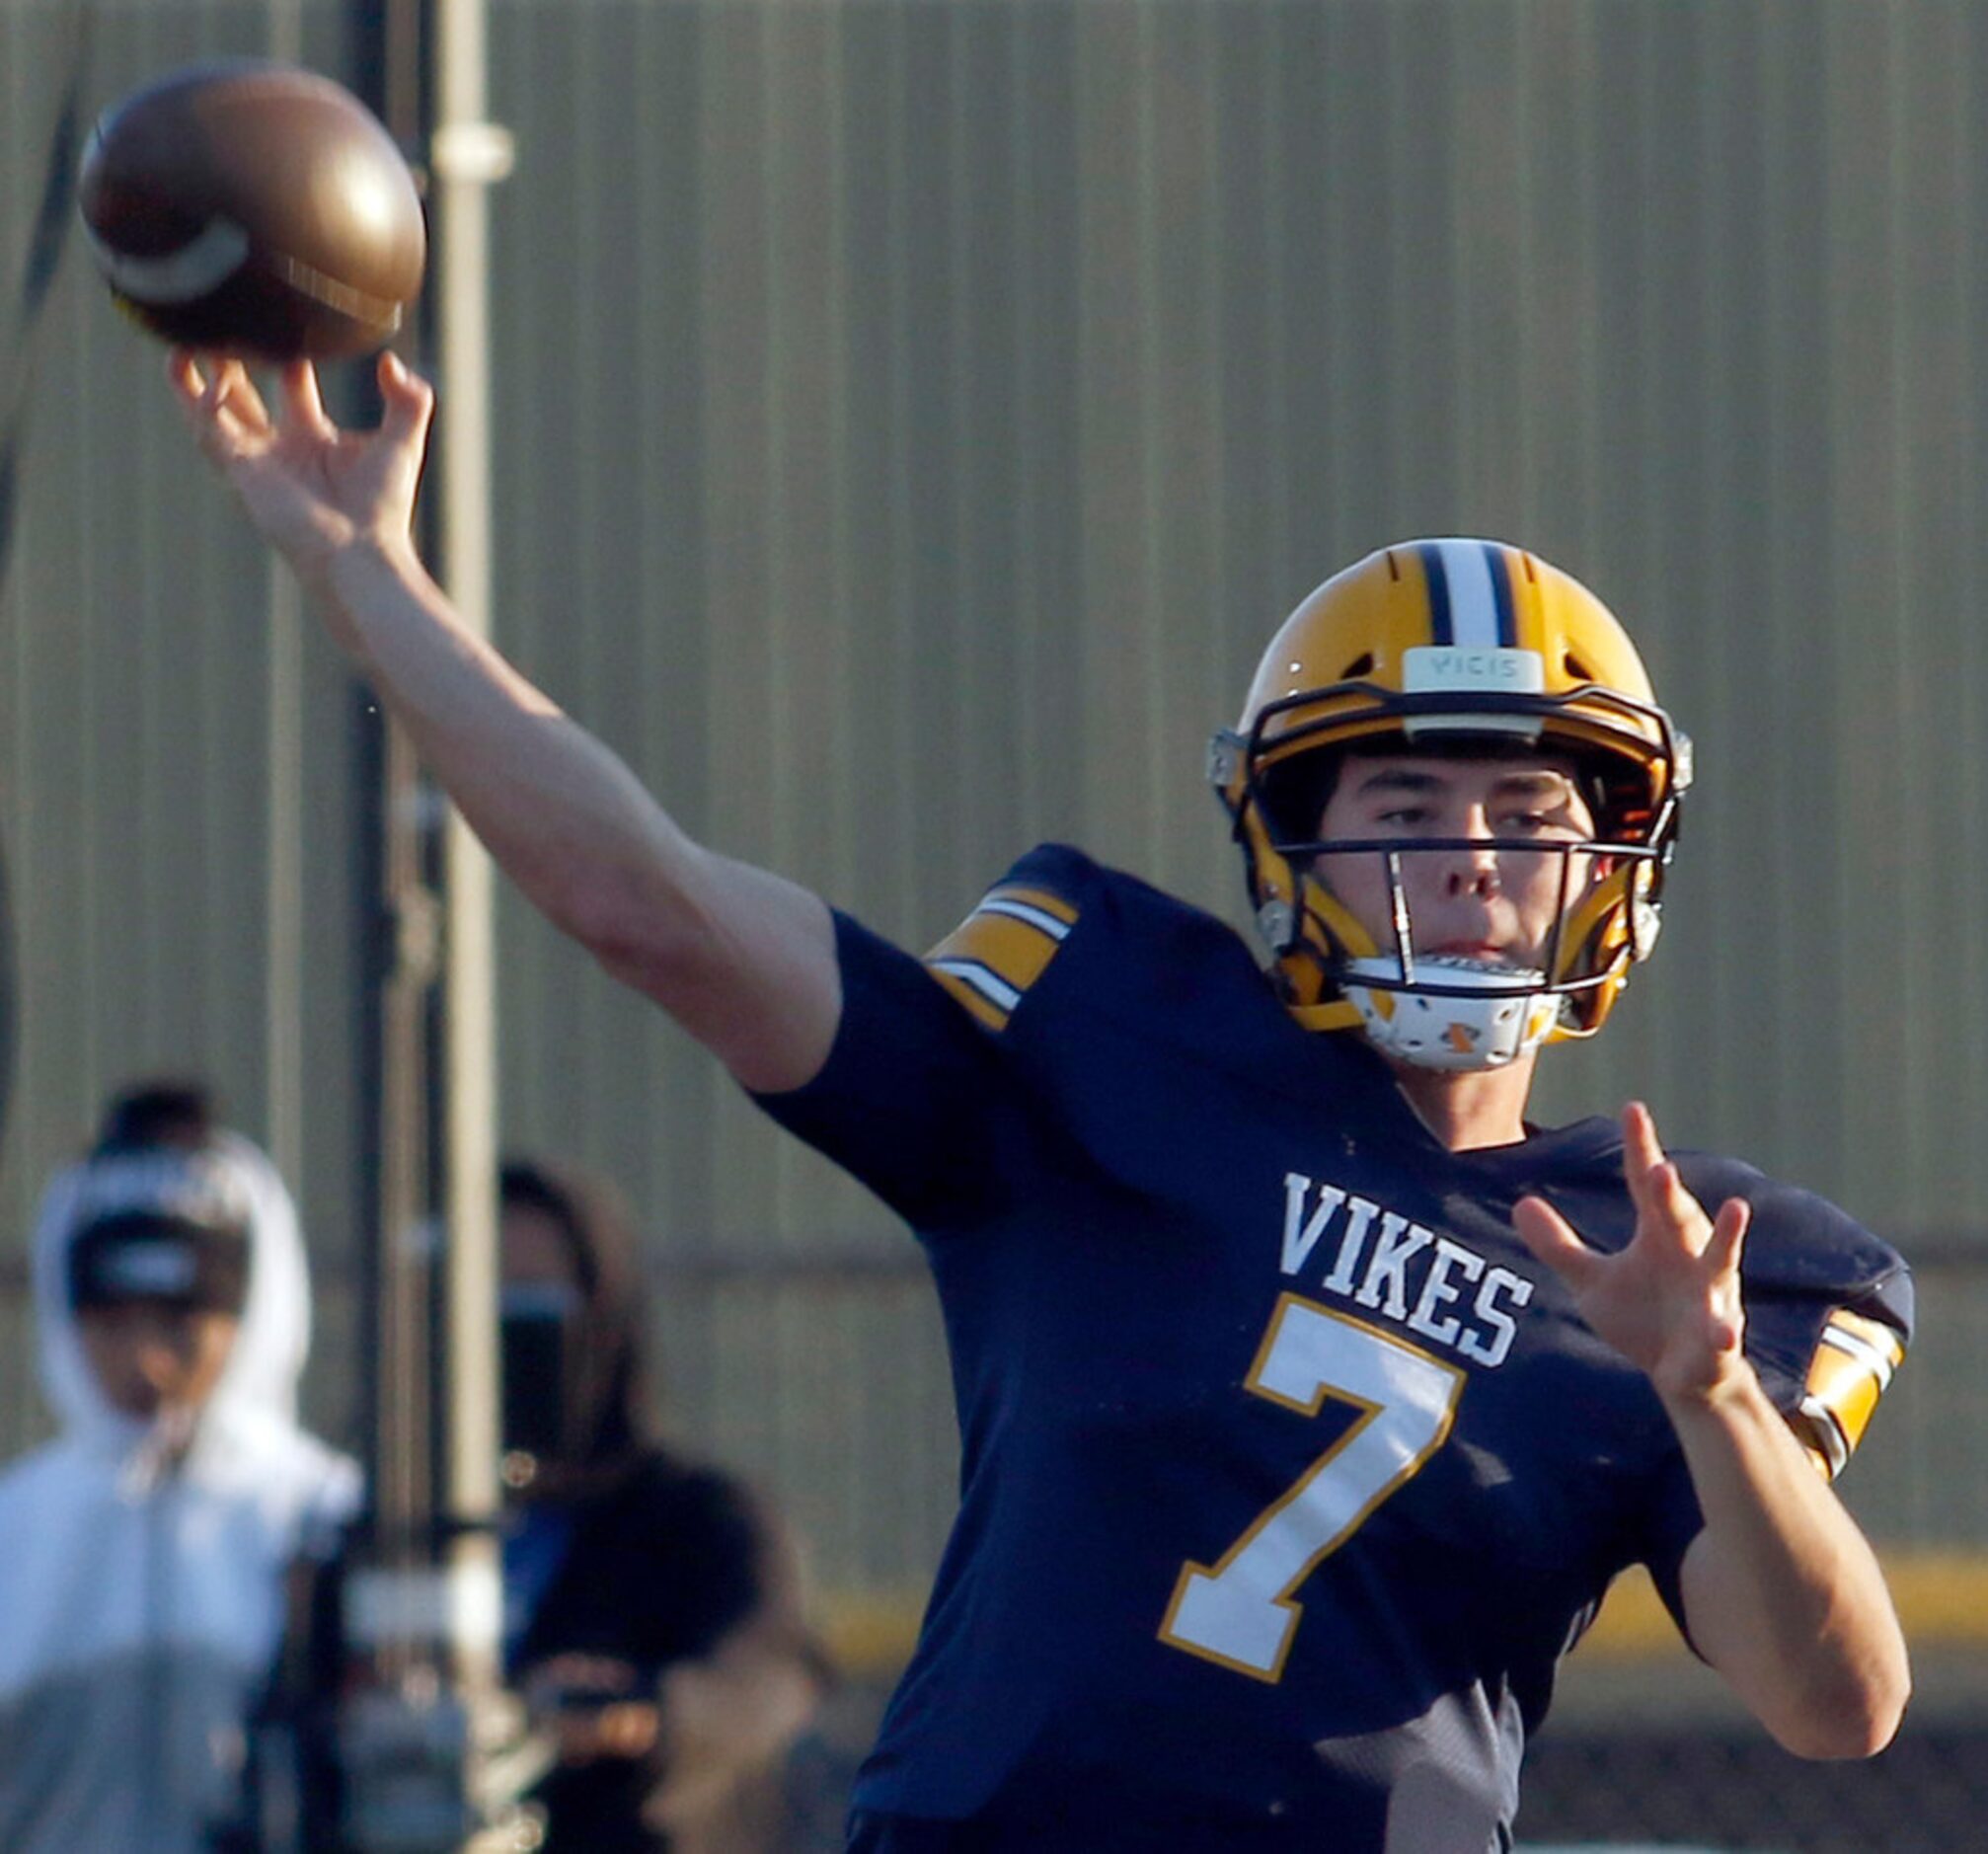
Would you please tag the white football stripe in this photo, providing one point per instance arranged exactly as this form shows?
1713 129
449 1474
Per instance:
1473 600
198 269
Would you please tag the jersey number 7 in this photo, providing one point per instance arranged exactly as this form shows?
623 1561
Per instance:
1240 1612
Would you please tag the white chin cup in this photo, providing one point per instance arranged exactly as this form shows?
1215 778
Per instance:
1506 1015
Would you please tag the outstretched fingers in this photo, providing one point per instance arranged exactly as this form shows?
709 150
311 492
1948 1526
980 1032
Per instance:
184 371
1655 1186
1642 1156
407 401
1728 1235
303 404
224 407
1722 1258
1554 1241
1638 1135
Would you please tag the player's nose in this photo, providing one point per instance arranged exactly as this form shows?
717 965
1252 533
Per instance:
1473 871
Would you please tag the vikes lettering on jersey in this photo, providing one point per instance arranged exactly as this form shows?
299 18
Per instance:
1458 1301
1241 1611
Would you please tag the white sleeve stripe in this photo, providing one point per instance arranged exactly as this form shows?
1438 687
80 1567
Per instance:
1828 1433
1020 910
994 989
1869 1357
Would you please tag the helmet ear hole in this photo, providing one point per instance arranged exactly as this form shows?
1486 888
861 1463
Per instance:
1361 665
1578 670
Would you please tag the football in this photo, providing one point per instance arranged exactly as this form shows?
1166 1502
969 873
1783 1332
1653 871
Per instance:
254 209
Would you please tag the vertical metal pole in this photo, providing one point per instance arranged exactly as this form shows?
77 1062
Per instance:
283 901
403 950
466 155
283 911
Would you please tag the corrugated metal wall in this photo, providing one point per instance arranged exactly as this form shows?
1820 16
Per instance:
914 419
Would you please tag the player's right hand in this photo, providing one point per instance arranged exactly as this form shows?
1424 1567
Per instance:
310 487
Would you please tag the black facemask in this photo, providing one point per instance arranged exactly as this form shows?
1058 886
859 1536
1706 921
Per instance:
539 1323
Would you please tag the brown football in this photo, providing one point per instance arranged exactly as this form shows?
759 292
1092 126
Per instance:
254 209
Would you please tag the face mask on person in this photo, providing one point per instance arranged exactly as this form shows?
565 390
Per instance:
538 1324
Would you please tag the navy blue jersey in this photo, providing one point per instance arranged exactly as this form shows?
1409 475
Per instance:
1287 1475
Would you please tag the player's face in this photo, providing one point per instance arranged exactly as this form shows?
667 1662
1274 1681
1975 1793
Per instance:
151 1355
1495 901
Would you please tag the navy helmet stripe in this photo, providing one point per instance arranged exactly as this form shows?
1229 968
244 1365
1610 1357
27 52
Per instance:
1500 561
1441 630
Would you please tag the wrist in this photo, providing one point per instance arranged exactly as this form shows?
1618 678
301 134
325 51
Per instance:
364 575
363 559
1732 1389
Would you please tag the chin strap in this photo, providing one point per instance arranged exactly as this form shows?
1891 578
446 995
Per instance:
1339 1013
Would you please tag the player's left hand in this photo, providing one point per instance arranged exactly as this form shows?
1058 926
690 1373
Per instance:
1670 1302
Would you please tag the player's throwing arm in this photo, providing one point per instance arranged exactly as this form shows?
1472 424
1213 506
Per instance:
742 959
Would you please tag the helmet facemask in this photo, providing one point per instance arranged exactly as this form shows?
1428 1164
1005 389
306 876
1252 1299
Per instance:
1451 1011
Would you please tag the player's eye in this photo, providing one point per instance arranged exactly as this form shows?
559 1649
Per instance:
1532 824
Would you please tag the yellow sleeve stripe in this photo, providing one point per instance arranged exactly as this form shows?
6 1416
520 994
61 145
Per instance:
1001 949
1851 1370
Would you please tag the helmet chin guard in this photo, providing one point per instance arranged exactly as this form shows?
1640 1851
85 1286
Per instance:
1483 1017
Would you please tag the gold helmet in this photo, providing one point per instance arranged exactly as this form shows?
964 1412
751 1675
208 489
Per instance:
1452 646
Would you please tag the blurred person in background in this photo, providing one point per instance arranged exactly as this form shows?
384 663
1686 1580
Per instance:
143 1552
654 1617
